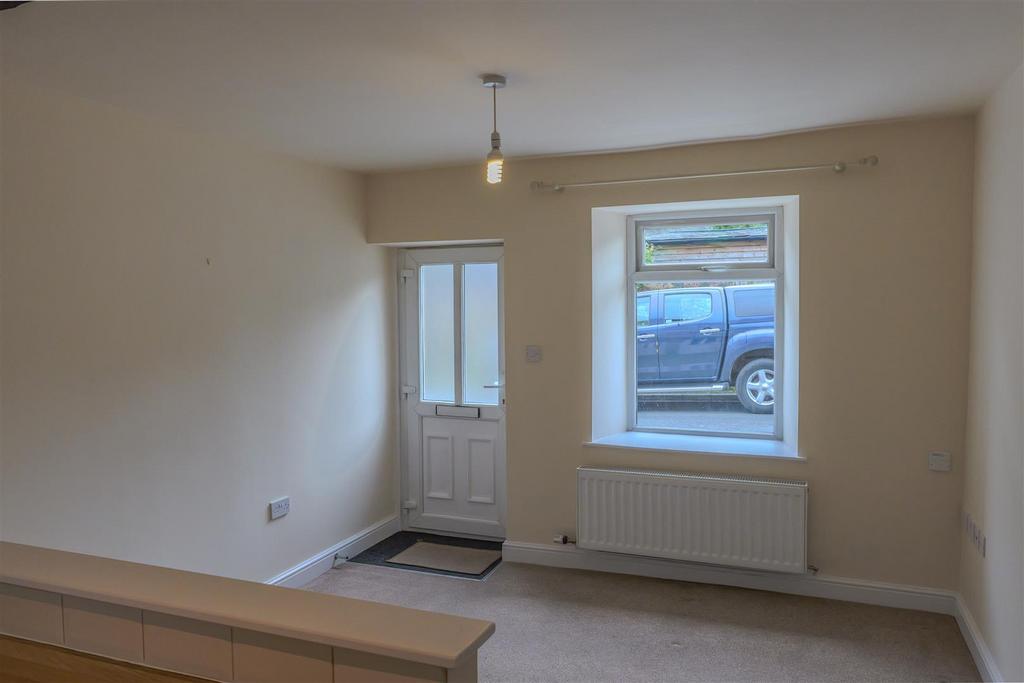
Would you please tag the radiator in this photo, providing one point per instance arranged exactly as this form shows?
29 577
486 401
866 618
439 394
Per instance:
716 519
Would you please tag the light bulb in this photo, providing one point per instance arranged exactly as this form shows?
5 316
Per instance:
496 160
494 170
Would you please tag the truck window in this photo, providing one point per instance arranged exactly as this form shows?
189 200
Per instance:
754 302
687 306
643 310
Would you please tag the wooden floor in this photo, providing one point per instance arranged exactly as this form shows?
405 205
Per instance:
22 661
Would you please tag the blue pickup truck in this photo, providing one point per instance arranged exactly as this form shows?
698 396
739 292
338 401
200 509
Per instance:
707 339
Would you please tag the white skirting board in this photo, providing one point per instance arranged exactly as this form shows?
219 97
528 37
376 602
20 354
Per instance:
983 658
309 569
819 586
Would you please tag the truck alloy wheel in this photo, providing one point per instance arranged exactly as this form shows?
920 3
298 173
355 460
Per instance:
755 385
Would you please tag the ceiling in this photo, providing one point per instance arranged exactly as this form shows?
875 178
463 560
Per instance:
383 85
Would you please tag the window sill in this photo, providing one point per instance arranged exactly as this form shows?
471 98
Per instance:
689 443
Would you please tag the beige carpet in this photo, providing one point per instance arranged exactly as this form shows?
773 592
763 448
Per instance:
569 625
449 558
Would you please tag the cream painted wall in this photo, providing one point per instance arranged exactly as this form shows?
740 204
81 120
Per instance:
191 328
993 586
885 280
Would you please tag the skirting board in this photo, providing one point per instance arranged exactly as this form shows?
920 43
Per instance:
309 569
983 658
818 586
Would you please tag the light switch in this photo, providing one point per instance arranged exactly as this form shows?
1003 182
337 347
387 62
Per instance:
534 354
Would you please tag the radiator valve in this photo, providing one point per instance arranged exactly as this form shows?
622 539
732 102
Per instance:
561 539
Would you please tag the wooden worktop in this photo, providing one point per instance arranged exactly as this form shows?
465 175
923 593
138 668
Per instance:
427 637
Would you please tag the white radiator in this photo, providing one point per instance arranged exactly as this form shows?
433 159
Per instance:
717 519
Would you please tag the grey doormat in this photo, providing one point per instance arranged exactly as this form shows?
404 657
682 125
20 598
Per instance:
448 558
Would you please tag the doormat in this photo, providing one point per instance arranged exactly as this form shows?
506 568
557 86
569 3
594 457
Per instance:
448 558
434 554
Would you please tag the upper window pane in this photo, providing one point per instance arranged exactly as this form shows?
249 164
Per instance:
694 244
480 373
437 332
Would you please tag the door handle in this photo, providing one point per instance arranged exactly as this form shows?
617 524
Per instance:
641 337
710 330
493 386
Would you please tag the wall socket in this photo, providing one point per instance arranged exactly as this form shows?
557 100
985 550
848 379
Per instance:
940 462
279 507
975 535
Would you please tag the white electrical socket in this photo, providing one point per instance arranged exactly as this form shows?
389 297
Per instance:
940 462
975 534
279 507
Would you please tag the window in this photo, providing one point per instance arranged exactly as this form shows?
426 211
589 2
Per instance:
643 310
736 241
437 344
706 300
480 323
753 303
686 307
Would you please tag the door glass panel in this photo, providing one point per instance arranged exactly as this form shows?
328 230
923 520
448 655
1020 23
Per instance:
437 332
480 333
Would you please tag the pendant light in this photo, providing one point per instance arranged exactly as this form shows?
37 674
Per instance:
495 159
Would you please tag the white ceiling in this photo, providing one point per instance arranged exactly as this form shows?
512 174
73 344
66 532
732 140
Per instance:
381 85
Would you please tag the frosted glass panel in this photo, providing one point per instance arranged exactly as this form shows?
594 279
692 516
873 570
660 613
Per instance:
480 330
437 332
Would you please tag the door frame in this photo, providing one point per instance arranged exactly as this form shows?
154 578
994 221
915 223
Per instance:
405 367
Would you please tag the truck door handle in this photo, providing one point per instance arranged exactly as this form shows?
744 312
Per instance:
642 337
706 331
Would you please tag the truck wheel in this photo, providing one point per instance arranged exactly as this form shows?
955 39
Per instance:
755 385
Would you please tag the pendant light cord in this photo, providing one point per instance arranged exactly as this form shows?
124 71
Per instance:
494 108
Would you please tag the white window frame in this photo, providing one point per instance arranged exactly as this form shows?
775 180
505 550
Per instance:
774 270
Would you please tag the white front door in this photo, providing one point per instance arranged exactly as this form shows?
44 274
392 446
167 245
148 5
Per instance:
453 397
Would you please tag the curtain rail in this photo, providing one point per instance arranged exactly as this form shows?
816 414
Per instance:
837 166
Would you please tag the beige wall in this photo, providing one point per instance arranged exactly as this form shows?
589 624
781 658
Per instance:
191 328
993 586
885 279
